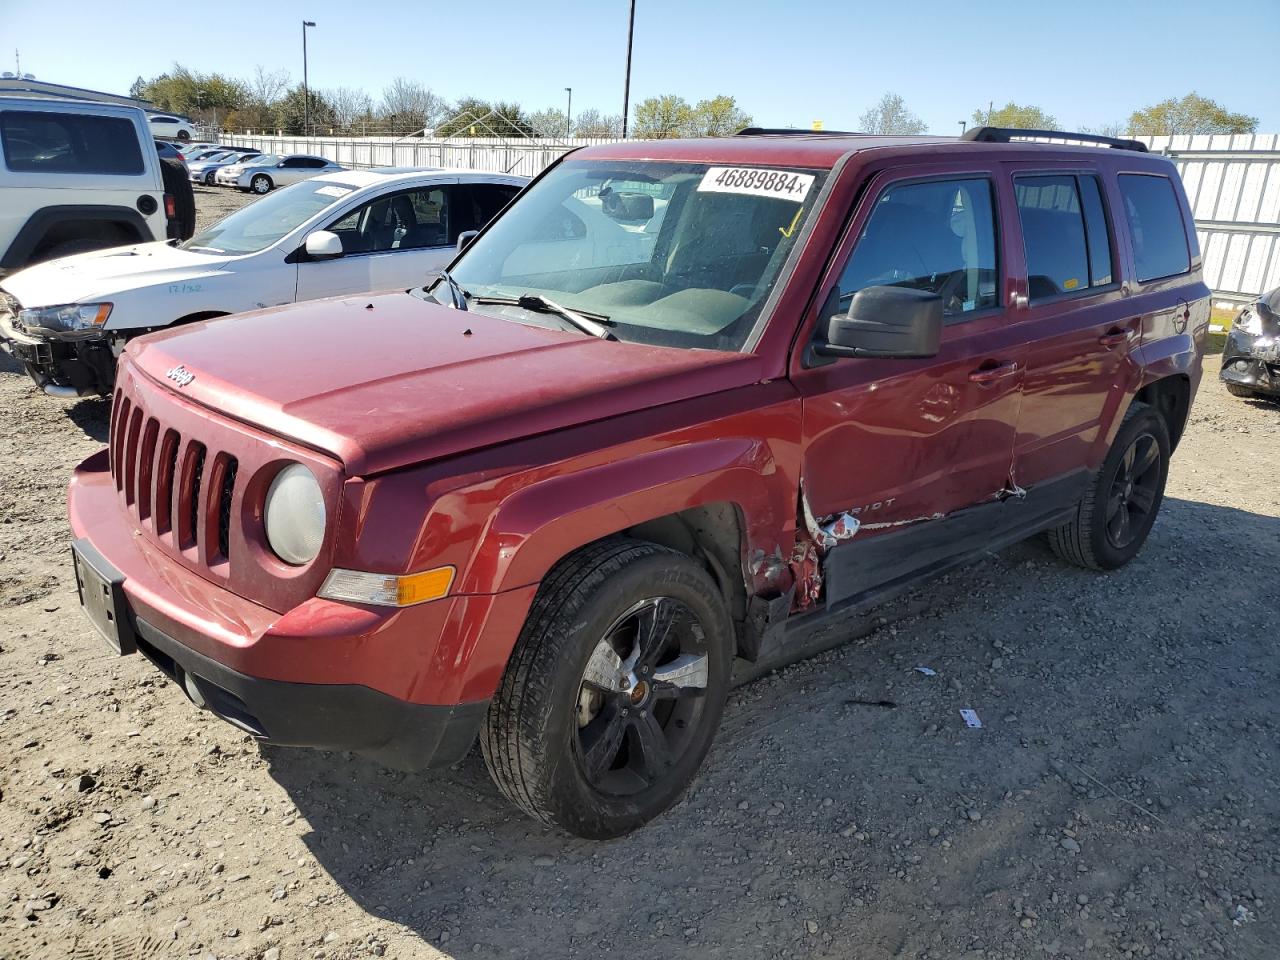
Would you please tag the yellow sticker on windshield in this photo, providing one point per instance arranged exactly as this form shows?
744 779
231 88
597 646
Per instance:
752 181
1070 284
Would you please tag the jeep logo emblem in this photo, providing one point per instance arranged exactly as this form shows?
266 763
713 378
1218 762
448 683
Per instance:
180 375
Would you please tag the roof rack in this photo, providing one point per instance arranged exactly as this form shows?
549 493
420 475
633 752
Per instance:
792 132
1009 134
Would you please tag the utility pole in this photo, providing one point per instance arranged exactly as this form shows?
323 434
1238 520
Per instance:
306 93
962 127
568 113
626 90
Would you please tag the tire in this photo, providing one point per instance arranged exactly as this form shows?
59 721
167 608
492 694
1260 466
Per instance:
1238 391
260 184
208 178
1116 514
599 753
184 136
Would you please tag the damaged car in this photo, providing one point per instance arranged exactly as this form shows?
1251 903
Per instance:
682 404
1251 356
68 320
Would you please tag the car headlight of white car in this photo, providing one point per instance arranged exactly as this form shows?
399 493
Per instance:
295 515
67 317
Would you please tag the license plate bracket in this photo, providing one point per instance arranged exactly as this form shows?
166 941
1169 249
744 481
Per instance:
102 598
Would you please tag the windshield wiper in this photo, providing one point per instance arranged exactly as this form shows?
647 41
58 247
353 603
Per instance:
540 304
456 293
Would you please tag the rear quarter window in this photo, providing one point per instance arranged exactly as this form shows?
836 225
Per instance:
40 142
1155 224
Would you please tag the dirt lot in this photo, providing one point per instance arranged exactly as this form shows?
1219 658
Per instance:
1121 799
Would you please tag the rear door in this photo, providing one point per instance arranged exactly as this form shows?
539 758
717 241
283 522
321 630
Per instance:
905 443
1077 321
393 241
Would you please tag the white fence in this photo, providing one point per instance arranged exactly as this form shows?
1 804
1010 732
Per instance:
1233 183
526 157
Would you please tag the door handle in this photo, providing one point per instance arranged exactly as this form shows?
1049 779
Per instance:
988 375
1114 339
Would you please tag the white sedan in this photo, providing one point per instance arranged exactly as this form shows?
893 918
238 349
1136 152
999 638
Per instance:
264 173
343 233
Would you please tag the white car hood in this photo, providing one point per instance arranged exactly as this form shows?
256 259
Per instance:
86 277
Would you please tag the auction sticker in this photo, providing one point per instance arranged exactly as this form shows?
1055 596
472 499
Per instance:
333 191
755 182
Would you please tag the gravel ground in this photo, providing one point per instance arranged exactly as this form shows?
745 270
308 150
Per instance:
1120 800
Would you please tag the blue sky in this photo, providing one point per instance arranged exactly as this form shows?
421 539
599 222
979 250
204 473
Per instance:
788 63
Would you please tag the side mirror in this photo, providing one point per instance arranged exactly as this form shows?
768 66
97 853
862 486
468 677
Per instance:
886 322
465 237
323 245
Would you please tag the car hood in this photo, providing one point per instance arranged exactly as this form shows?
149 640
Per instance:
89 276
389 380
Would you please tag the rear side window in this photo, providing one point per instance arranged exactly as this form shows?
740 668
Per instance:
937 236
39 142
1155 223
1064 234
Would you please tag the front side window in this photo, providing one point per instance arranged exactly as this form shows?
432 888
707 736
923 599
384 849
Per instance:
270 219
670 253
937 236
1064 234
1155 224
41 142
410 220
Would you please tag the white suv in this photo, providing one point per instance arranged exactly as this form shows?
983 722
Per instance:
342 233
168 127
76 176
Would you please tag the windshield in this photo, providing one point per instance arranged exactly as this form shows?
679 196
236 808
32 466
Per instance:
677 254
261 159
276 215
215 157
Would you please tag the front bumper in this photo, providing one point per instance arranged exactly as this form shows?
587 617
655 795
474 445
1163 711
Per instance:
407 687
1251 361
68 367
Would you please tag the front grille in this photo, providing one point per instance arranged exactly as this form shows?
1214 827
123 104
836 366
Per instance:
163 477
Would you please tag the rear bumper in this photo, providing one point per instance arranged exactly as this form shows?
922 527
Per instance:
407 687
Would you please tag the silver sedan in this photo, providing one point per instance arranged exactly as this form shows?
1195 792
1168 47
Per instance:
263 174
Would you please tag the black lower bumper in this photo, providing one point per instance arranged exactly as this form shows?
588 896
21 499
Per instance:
86 365
396 733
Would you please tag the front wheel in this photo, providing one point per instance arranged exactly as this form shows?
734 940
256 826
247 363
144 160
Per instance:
1117 512
614 690
208 178
260 184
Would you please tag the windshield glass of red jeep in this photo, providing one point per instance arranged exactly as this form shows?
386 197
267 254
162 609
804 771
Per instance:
675 254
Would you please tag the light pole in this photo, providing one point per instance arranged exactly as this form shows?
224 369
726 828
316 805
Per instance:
568 113
306 95
626 90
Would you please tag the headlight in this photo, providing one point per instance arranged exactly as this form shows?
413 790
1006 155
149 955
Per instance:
1248 321
295 517
68 316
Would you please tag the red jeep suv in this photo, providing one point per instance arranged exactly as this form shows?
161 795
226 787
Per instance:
680 403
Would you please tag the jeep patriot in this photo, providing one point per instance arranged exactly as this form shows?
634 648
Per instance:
676 406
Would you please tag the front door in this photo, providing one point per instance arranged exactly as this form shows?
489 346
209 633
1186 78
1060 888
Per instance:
392 242
904 444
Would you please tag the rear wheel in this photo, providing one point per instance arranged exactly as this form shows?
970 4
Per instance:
614 690
184 136
261 184
1116 514
208 178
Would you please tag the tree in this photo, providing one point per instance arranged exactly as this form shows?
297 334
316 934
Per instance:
473 117
1016 117
891 117
549 123
349 107
408 106
717 117
1192 114
267 86
290 112
593 123
659 118
138 90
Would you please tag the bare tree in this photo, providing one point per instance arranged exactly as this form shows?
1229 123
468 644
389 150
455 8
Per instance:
350 106
407 106
593 123
891 117
268 86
